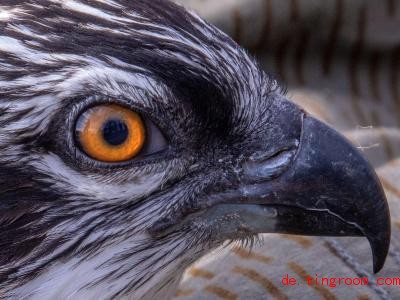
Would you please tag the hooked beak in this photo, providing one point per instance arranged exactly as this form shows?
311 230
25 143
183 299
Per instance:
320 186
328 190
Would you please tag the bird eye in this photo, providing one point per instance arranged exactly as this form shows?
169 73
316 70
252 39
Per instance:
113 133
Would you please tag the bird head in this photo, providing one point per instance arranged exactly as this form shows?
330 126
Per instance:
135 138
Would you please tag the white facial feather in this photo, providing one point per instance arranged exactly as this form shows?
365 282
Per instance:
68 179
87 9
68 281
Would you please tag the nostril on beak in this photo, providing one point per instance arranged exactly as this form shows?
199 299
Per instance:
263 166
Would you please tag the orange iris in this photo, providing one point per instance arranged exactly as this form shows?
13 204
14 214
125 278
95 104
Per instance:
111 133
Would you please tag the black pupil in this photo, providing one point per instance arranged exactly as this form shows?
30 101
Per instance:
115 132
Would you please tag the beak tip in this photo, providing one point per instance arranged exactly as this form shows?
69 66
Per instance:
378 264
380 251
380 240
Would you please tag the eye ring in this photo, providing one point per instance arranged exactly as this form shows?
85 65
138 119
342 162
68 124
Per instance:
110 133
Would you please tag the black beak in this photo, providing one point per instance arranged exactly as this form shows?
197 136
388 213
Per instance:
321 186
329 189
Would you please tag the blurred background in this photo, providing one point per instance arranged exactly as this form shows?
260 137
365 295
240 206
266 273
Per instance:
340 60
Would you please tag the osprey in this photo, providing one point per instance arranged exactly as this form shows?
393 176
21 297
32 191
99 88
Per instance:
135 138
